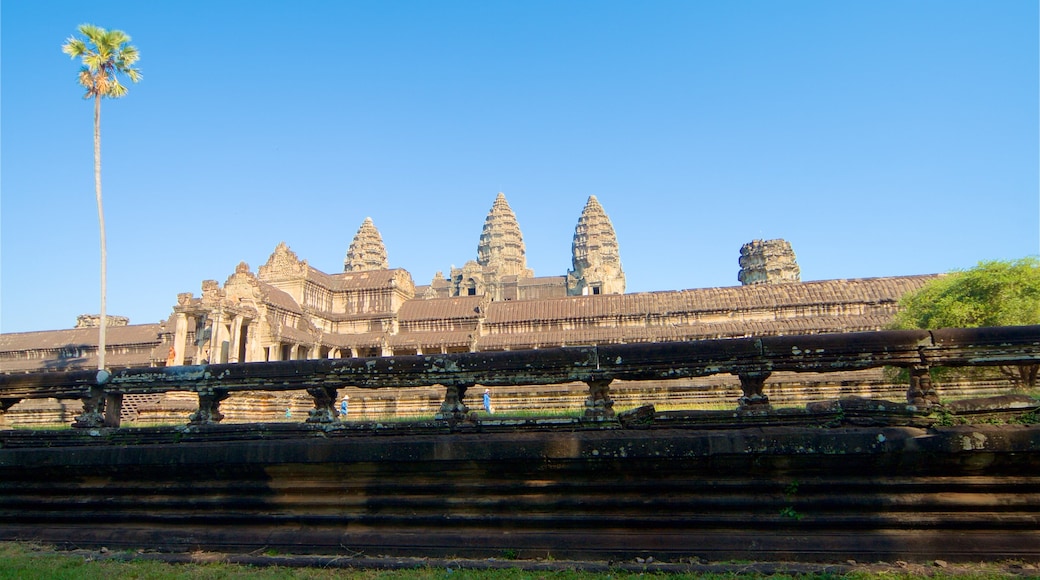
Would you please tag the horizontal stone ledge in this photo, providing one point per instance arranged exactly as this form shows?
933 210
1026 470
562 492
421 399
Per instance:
641 361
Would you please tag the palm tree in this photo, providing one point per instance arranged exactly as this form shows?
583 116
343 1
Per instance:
106 55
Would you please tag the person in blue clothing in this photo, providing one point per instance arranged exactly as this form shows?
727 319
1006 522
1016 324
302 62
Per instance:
343 408
487 401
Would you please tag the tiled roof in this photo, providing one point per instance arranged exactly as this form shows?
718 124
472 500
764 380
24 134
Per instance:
112 361
362 280
440 308
54 339
294 334
431 339
728 299
731 329
362 340
280 298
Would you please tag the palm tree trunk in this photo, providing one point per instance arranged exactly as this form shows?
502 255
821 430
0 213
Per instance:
101 222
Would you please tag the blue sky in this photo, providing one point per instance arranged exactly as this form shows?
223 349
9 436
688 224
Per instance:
880 138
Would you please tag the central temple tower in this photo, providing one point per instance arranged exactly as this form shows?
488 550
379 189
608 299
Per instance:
501 248
595 255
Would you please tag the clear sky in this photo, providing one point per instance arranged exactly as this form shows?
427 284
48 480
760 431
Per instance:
880 138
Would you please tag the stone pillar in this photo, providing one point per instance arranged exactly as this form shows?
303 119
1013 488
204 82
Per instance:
180 338
922 393
209 407
752 384
220 336
236 339
324 403
453 408
100 409
93 410
599 406
254 351
113 409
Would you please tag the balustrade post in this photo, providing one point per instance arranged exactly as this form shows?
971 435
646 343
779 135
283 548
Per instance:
113 409
92 416
324 410
599 406
922 393
209 407
94 405
453 408
752 383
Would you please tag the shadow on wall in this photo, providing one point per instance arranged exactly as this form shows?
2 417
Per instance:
70 357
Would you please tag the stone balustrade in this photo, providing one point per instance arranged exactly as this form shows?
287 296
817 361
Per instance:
750 359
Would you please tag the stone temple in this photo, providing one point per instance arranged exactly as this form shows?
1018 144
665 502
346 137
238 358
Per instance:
288 310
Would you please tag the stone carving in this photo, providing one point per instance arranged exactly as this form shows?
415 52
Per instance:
94 320
367 251
595 255
282 265
768 262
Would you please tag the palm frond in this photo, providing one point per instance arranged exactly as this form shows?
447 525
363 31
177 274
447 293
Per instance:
115 89
74 47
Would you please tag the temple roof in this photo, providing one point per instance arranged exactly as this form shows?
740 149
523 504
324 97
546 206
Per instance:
730 299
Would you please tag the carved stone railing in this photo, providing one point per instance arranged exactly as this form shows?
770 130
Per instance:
752 360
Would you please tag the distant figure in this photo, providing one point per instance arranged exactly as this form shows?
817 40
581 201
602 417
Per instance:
343 407
288 413
171 357
487 401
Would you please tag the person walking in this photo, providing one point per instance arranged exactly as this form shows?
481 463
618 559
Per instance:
487 402
343 408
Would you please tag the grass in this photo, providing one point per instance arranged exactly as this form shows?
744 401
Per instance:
22 560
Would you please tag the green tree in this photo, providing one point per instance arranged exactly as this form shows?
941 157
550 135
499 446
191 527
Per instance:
106 55
994 293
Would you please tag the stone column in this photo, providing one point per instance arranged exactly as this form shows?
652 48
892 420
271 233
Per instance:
752 384
254 350
324 403
220 336
453 408
599 406
922 393
93 410
180 338
209 407
236 339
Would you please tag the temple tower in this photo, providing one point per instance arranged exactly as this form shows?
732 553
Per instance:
768 262
501 248
595 255
367 251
